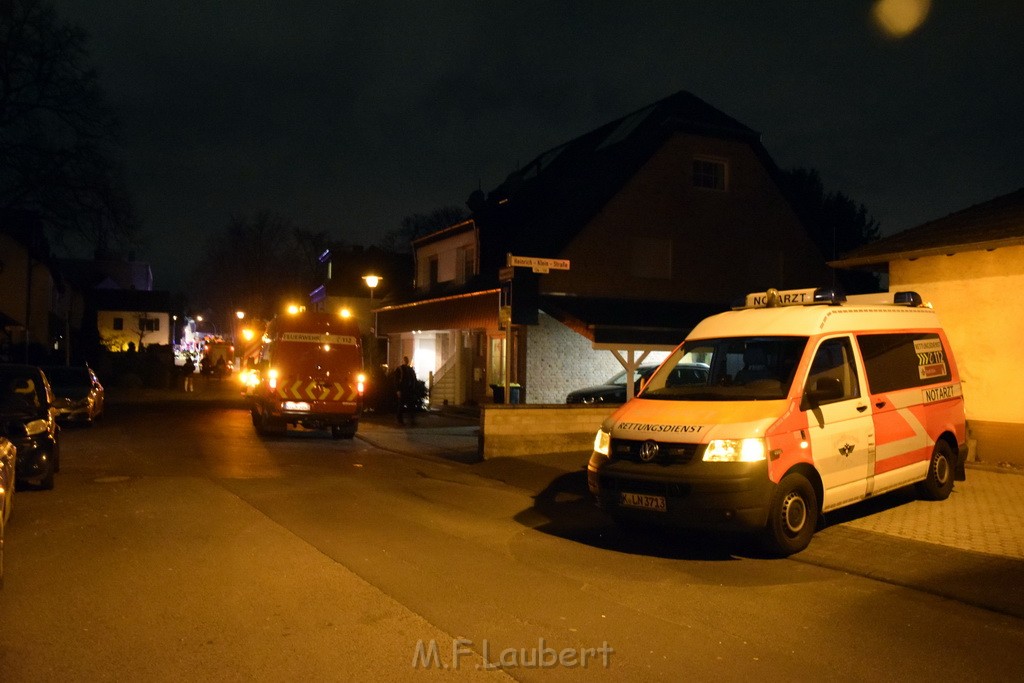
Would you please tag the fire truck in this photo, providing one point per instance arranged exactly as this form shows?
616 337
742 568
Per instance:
309 375
218 357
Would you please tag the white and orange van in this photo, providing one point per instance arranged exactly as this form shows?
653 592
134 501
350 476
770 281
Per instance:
310 374
813 401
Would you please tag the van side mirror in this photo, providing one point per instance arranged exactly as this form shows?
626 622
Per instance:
824 389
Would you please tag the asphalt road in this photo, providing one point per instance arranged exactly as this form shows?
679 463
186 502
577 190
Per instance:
179 545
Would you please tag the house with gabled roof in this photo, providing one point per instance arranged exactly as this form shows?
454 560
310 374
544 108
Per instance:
662 217
970 266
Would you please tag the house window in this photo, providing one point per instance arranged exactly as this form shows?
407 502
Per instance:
118 323
149 324
466 264
709 174
432 271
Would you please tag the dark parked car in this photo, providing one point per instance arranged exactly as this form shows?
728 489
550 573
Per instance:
28 417
7 457
614 390
80 395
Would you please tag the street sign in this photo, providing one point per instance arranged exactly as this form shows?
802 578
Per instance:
538 265
506 274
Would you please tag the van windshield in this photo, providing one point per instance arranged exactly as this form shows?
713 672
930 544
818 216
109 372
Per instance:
739 369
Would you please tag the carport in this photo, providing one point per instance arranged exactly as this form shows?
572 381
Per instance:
628 329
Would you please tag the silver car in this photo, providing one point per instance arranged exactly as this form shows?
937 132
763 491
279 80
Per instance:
80 396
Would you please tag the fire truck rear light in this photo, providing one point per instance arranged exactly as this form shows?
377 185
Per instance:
361 383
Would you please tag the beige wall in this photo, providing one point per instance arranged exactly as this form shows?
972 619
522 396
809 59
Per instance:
117 340
977 295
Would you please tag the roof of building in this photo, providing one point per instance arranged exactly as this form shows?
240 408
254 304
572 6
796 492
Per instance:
539 208
149 301
996 223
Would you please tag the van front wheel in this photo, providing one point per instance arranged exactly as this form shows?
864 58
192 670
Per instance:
939 482
793 515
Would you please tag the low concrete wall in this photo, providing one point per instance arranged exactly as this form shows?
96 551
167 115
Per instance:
996 442
531 428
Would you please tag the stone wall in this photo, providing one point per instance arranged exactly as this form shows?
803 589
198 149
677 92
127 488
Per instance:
560 361
509 430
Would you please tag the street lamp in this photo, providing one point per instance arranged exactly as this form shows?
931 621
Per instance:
372 281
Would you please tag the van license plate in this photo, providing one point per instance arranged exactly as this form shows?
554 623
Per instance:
640 500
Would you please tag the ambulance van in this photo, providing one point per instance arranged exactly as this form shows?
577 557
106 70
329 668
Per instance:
309 374
813 401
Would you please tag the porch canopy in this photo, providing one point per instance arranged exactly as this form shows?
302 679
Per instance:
475 310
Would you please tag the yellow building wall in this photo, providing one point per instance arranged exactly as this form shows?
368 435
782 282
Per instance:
977 295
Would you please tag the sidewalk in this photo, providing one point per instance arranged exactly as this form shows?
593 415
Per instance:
984 514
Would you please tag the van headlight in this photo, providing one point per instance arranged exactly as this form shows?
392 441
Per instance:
601 442
735 450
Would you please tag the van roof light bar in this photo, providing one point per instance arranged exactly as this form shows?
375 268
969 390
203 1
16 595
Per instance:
912 299
793 297
907 298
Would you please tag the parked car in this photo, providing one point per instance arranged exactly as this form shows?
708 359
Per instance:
80 396
7 464
28 418
614 390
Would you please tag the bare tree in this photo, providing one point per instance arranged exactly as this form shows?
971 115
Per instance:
417 225
255 264
834 222
57 136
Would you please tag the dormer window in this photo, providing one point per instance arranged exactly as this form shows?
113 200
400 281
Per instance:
709 174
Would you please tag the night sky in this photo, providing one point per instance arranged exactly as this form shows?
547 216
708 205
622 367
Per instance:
346 116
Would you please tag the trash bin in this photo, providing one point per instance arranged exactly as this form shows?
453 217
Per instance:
514 393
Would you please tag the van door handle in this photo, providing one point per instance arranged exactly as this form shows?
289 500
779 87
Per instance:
861 409
880 404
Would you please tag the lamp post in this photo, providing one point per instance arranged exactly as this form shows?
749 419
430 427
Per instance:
372 281
240 316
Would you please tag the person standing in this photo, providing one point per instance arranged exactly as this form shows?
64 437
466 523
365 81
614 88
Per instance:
189 370
405 390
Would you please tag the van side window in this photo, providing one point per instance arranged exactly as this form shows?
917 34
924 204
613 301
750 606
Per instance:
834 362
903 360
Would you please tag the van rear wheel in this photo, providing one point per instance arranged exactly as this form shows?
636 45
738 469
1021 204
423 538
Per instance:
939 482
792 516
